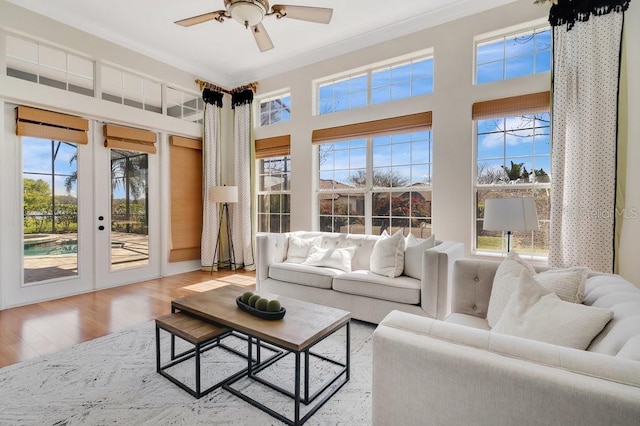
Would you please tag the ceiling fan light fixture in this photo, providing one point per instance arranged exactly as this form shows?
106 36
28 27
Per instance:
248 13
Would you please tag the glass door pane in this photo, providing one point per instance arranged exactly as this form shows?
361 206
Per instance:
129 209
50 200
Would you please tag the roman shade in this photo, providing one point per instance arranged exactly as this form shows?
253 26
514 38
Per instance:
277 146
129 139
533 103
186 198
39 123
401 124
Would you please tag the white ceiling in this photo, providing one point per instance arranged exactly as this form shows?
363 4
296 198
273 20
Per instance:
226 53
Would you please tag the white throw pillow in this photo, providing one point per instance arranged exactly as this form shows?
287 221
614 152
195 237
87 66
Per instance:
413 250
387 256
536 313
337 258
568 284
298 249
504 283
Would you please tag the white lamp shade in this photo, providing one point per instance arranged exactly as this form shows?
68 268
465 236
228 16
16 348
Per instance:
223 194
510 214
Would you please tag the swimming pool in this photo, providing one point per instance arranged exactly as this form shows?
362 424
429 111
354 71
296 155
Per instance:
50 249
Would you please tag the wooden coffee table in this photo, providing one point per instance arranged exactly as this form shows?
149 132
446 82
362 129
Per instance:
304 325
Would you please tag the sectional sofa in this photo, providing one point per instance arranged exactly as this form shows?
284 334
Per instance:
422 288
461 371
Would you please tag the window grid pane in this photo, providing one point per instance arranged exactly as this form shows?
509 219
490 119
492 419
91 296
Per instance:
525 53
402 81
513 160
383 84
130 89
273 192
28 60
275 110
396 185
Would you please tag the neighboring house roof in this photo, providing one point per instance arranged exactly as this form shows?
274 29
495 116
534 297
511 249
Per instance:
330 184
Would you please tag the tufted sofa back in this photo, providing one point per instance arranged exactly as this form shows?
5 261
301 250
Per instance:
621 336
471 289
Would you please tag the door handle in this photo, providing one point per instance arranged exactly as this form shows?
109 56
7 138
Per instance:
101 228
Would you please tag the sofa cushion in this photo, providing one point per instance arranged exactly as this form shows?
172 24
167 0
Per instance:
366 283
387 257
311 276
568 284
336 258
534 312
414 248
298 248
363 243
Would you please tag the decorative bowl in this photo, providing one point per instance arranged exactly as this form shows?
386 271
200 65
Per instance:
260 314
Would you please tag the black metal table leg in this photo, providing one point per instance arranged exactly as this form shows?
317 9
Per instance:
296 416
157 349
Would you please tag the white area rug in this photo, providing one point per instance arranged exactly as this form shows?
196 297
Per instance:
112 381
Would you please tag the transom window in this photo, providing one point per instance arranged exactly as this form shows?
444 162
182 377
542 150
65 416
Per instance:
49 66
185 105
402 81
343 94
511 56
130 89
377 85
368 185
275 109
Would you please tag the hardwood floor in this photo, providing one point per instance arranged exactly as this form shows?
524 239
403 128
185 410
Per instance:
29 331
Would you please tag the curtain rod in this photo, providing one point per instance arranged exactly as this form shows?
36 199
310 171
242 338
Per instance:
202 84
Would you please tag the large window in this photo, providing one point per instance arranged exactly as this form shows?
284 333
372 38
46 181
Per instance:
274 203
513 160
28 60
379 84
275 109
368 185
515 55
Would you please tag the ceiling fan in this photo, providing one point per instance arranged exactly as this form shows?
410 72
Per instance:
250 13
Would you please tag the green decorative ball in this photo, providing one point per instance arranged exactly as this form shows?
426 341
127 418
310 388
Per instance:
253 299
273 306
246 296
261 304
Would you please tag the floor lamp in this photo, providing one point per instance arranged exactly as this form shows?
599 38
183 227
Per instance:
224 195
510 214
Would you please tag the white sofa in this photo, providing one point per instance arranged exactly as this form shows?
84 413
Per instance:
457 372
368 296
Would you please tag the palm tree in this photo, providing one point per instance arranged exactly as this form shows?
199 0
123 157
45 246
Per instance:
127 169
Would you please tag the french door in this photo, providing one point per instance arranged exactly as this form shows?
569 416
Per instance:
89 217
126 216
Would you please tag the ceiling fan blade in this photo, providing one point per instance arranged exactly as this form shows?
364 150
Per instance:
262 37
321 15
218 15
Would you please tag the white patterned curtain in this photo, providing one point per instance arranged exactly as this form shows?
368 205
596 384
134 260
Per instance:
210 177
242 213
586 62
